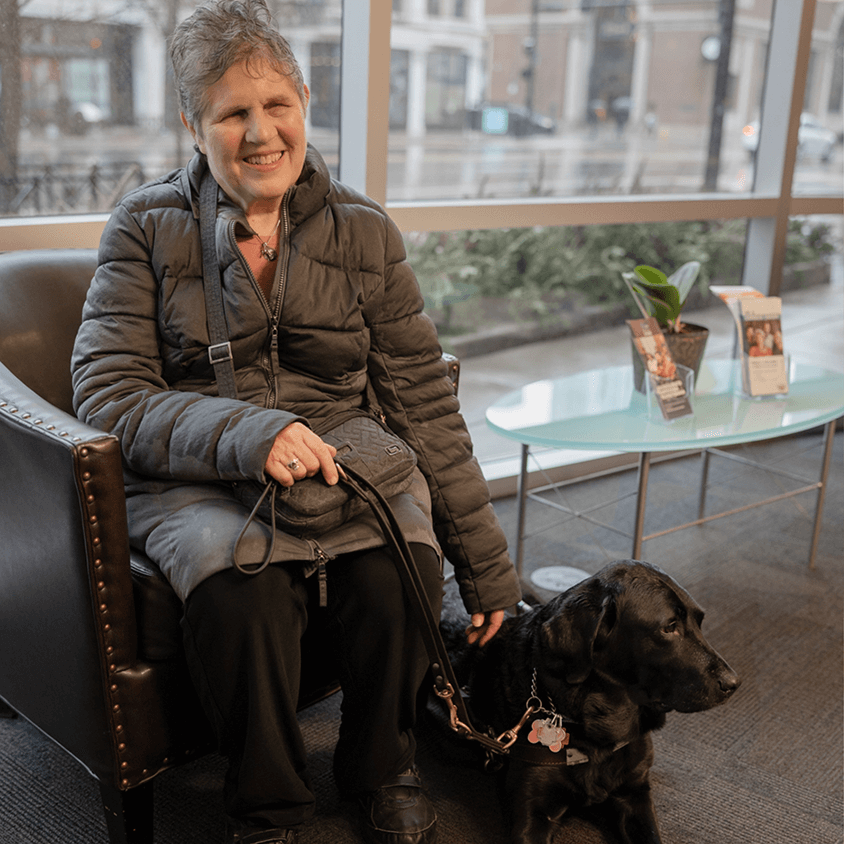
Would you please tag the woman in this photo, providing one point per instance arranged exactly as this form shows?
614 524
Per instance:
322 313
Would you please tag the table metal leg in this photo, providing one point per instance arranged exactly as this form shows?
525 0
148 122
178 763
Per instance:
521 498
704 480
829 435
641 502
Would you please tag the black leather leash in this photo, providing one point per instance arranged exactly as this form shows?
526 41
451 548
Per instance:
446 686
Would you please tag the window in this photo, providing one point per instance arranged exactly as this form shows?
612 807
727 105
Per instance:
583 99
819 167
498 118
490 291
90 107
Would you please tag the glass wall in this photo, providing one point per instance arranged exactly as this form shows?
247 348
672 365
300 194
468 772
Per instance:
560 289
819 167
488 99
532 136
565 99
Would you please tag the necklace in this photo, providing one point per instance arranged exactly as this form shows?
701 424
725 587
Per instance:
267 252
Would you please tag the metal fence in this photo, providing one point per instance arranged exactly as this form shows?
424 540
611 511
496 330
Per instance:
67 189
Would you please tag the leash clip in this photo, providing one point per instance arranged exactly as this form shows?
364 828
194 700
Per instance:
445 691
512 734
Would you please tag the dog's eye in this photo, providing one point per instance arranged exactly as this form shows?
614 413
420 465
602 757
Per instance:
671 629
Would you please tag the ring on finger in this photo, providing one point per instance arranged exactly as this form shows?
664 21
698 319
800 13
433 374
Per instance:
293 465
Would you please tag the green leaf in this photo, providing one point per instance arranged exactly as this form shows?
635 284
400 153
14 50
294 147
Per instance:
650 275
684 278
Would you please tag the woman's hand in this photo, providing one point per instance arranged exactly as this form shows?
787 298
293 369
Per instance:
298 453
484 626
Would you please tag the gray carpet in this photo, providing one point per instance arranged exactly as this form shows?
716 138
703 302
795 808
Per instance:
767 767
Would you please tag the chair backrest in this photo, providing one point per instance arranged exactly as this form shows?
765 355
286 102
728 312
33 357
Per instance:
41 296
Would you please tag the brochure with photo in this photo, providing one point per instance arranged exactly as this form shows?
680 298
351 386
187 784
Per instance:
759 344
764 370
661 371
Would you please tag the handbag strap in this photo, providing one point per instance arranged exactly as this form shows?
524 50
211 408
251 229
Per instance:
220 350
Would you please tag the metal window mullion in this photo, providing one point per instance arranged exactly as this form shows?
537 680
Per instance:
782 103
365 96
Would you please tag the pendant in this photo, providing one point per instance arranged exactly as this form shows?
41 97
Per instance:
268 253
549 732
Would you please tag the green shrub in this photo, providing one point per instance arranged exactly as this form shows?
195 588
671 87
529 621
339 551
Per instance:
530 265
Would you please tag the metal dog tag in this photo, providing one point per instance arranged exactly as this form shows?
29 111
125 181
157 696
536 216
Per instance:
549 732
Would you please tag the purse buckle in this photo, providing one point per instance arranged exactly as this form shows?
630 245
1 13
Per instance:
220 353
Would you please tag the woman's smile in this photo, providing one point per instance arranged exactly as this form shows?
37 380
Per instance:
265 159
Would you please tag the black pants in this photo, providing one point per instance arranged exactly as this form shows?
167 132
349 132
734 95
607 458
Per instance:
242 640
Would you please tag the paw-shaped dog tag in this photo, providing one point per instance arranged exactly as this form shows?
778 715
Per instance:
548 733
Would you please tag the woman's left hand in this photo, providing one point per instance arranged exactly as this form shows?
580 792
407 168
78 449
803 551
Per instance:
484 626
299 453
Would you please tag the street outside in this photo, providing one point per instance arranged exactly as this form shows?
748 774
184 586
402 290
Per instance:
468 164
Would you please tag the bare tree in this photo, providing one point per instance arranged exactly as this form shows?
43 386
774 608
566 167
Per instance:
10 98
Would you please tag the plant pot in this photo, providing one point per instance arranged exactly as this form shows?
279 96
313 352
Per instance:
686 349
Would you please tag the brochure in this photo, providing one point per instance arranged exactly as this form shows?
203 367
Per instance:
764 371
660 369
758 338
731 295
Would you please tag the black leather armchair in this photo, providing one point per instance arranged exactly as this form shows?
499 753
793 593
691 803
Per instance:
91 647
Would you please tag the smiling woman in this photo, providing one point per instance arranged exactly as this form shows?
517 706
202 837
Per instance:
322 322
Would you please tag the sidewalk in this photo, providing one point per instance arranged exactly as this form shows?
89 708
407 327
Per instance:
812 322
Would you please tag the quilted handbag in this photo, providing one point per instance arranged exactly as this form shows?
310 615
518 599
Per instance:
311 507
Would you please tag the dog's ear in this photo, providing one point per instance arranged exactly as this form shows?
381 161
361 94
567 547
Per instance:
582 619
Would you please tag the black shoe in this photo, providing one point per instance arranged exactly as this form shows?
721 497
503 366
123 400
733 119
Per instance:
261 836
399 813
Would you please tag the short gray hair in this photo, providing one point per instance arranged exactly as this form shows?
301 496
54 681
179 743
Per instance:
218 35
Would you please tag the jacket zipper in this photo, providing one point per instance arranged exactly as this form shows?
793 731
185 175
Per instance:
245 263
321 558
275 317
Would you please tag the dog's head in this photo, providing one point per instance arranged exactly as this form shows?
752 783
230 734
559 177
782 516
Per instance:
634 625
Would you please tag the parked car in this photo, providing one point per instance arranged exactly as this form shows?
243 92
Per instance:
507 119
814 140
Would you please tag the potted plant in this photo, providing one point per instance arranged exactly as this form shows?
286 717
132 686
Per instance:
663 297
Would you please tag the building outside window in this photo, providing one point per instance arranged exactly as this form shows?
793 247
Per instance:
530 99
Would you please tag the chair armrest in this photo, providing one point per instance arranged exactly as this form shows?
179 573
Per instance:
67 618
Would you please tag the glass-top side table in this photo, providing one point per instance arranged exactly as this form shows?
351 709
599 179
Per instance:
600 410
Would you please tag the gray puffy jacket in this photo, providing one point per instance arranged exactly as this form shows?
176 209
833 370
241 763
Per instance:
345 306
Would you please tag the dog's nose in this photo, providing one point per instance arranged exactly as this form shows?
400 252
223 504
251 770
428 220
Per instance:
729 681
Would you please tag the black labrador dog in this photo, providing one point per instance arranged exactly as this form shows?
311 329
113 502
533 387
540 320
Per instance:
595 670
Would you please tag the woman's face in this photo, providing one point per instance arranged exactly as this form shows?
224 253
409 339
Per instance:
253 132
